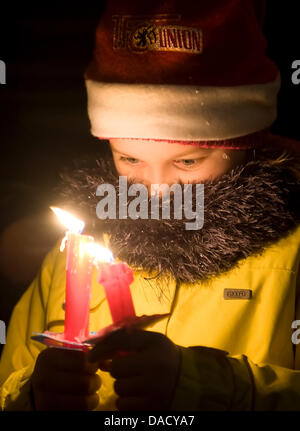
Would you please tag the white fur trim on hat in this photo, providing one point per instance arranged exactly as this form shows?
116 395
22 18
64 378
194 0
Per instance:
180 112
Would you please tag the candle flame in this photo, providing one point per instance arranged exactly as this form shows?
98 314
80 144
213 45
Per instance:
72 223
99 253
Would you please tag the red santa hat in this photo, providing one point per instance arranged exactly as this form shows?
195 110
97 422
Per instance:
190 72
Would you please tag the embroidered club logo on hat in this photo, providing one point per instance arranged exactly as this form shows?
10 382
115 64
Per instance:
153 33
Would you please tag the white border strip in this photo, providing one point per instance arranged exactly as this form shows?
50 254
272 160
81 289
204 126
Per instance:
180 112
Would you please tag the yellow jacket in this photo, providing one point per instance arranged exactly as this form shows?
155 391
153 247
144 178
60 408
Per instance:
261 370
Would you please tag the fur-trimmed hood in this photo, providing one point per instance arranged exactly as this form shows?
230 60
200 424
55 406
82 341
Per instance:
245 211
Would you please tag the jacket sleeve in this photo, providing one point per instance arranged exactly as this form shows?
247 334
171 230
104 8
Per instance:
20 353
210 379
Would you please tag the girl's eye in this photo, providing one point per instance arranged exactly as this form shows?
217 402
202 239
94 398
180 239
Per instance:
188 163
130 160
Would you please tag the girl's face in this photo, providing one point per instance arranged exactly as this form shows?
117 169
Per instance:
162 162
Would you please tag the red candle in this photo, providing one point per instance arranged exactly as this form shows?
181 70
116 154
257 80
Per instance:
79 268
116 279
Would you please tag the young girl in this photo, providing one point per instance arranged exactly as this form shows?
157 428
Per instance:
178 94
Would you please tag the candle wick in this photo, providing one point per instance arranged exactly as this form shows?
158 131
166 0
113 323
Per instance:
63 243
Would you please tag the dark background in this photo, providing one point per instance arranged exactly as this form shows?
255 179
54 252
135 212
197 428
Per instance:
43 118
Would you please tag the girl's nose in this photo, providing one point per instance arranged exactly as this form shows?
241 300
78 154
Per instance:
157 181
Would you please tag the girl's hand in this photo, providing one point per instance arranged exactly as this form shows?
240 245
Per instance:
146 376
65 380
